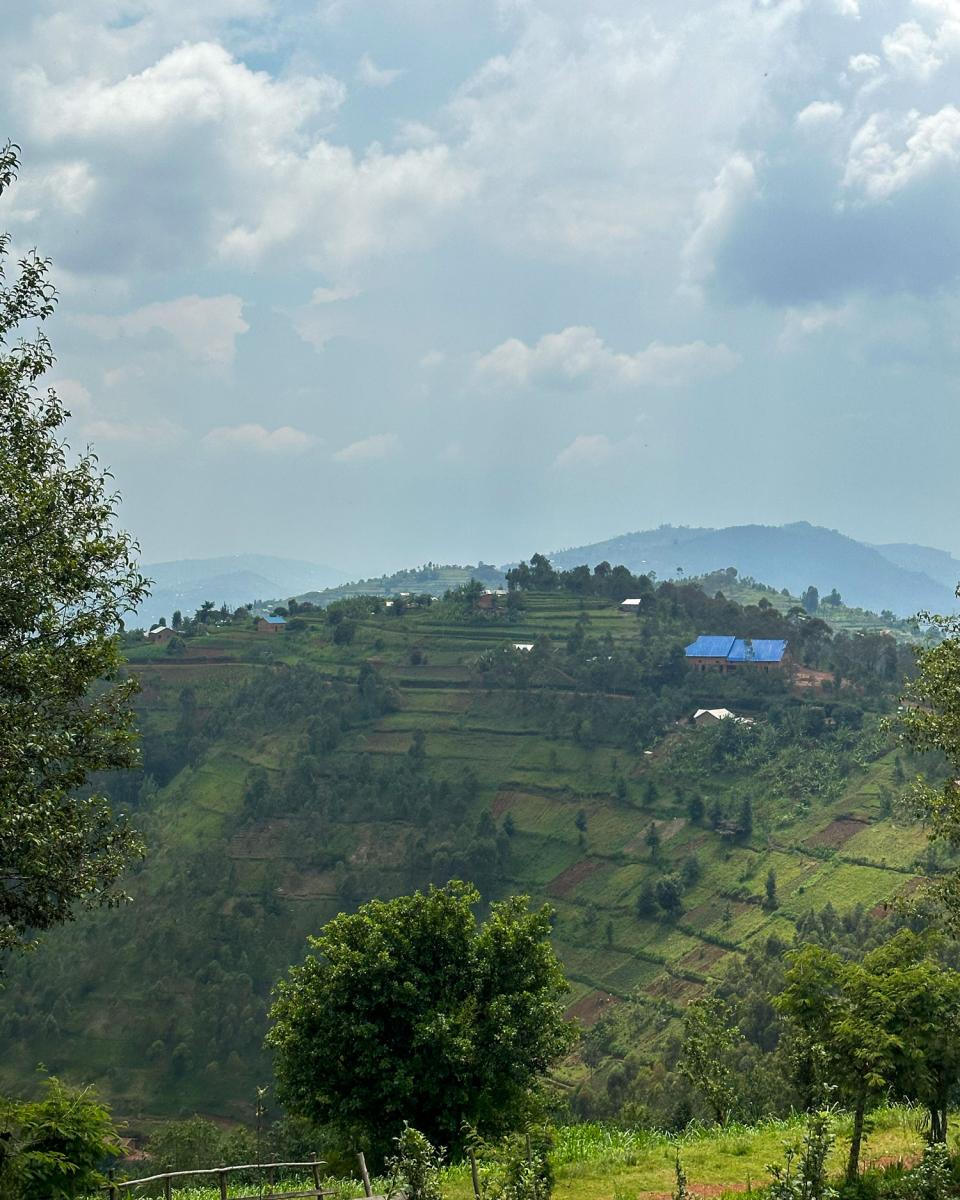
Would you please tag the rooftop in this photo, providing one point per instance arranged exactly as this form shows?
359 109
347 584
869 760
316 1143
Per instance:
736 650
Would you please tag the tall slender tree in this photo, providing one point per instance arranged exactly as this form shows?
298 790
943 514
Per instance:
67 577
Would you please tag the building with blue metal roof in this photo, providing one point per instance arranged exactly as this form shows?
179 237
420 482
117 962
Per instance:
270 624
723 653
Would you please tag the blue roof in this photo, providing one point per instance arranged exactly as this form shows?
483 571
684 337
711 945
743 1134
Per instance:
274 620
757 650
710 647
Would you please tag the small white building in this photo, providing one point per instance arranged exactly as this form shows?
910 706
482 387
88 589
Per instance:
526 647
631 605
709 716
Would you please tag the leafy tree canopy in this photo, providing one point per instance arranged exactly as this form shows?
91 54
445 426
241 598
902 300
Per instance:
66 579
410 1009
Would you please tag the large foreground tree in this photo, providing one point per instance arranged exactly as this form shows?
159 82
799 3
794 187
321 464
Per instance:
67 576
930 724
411 1010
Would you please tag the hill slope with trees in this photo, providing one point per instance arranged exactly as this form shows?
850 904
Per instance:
369 749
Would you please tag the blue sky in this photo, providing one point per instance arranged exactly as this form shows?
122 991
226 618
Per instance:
385 281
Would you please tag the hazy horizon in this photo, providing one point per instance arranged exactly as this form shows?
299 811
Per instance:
374 284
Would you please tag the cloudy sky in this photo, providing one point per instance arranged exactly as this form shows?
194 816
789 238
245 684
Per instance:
379 281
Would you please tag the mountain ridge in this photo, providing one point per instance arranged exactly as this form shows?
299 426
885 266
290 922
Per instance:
792 556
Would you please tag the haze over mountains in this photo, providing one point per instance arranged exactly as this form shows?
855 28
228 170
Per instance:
232 580
901 577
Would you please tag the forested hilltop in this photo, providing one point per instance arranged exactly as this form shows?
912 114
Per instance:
537 742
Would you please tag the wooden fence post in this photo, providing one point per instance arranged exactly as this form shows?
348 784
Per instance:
367 1189
316 1173
222 1179
475 1175
167 1187
113 1186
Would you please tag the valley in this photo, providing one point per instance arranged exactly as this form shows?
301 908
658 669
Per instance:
369 750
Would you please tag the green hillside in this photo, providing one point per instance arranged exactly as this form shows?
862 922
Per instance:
370 750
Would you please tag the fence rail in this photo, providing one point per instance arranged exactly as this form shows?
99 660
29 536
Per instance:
116 1187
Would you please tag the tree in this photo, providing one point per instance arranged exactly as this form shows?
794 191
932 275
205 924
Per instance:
646 903
810 600
708 1038
875 1022
931 723
652 838
695 808
67 577
770 901
669 894
691 871
447 1021
580 821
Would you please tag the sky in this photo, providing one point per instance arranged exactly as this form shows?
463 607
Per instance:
376 282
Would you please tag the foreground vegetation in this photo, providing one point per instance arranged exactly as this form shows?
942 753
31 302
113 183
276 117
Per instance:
596 1161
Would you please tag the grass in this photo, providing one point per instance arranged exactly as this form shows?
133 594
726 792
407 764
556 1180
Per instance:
594 1161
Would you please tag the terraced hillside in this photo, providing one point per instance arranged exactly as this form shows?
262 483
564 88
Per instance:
288 776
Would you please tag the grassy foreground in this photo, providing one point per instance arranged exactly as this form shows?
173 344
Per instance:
598 1162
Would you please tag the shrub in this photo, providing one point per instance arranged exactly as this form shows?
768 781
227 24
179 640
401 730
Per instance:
415 1168
55 1148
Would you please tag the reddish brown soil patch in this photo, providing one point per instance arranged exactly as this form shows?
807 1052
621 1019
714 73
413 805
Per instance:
668 987
837 833
701 957
563 884
504 801
666 828
591 1007
885 907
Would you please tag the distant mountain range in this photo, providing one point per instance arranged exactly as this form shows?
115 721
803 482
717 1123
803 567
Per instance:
233 580
901 577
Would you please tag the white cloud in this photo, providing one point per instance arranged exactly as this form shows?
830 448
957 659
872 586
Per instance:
373 76
911 51
371 449
156 433
586 450
887 154
96 429
204 327
282 440
863 64
588 134
415 133
578 356
819 113
801 323
433 359
333 295
718 207
918 52
224 162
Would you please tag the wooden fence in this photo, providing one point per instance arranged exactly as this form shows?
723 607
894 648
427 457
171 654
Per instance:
116 1187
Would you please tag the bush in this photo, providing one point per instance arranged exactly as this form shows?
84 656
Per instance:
55 1148
519 1167
415 1168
